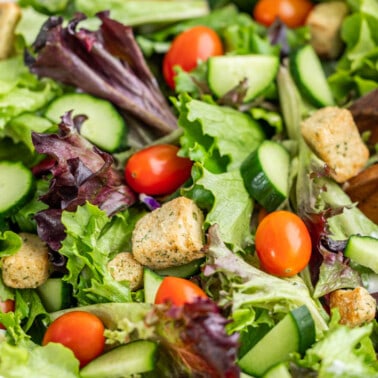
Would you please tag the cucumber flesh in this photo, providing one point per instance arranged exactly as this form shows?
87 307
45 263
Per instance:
104 127
225 72
55 294
363 250
17 186
278 371
307 71
151 282
265 173
294 333
133 358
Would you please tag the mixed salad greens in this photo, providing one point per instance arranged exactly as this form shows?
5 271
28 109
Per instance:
82 208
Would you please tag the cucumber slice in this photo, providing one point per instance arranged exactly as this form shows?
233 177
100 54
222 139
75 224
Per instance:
227 71
104 127
183 271
17 186
363 251
294 333
133 358
55 294
265 173
278 371
151 282
308 73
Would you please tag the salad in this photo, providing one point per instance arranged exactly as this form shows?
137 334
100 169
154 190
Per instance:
188 188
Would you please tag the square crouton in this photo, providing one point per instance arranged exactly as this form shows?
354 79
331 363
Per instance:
325 21
10 14
333 135
356 306
169 236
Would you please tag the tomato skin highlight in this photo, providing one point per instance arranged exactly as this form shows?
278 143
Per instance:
178 291
293 13
6 306
197 43
80 331
283 244
157 170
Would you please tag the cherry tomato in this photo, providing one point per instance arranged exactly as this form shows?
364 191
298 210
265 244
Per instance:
293 13
190 46
157 170
6 306
80 331
178 291
283 243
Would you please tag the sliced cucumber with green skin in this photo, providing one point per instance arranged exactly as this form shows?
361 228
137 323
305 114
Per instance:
363 250
55 294
227 71
294 333
133 358
307 71
183 271
265 173
151 283
104 127
17 186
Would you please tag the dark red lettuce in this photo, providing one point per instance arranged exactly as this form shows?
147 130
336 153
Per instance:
195 339
106 63
80 173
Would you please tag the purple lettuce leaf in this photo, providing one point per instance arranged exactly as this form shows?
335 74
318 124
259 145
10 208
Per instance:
335 273
195 339
106 63
81 173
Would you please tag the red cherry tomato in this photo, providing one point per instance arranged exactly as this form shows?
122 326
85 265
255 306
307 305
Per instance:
190 46
6 306
80 331
157 170
283 243
178 291
293 13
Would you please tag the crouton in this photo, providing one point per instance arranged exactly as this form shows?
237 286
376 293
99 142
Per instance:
324 22
29 267
334 137
10 14
356 306
125 268
169 236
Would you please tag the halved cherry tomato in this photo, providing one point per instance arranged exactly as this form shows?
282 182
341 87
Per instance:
178 291
283 243
190 46
80 331
293 13
157 170
6 306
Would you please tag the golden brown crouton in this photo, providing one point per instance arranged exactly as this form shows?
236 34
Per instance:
169 236
334 137
29 267
356 306
324 22
125 268
10 14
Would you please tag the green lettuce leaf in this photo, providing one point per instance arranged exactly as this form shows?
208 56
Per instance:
219 138
357 69
140 12
343 352
92 240
229 204
33 361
